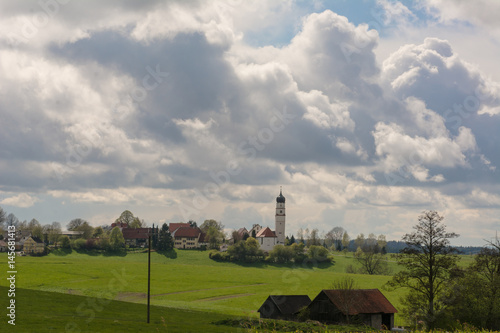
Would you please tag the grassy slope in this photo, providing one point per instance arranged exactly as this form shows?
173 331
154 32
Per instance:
40 311
190 281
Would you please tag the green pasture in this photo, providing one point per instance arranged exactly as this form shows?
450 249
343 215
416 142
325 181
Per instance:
189 280
41 311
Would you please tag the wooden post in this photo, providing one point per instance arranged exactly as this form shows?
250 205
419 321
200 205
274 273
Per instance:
149 270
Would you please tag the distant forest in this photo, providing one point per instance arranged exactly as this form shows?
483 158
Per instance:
396 246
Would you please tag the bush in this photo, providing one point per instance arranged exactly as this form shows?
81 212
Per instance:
64 242
78 244
318 253
281 254
218 256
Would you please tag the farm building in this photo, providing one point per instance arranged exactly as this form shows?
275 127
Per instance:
136 236
33 245
283 307
188 237
368 306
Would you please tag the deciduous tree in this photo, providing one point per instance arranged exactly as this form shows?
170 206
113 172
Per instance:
428 260
116 240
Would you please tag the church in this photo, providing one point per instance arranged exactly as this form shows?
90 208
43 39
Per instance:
267 238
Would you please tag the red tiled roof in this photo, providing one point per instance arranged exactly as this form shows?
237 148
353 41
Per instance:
135 233
186 232
266 232
363 301
174 226
202 238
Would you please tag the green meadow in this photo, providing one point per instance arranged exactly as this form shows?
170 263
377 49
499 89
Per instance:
189 282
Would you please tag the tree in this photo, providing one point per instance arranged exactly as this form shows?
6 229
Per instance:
211 223
165 241
214 237
37 231
12 220
192 224
313 238
360 240
53 232
214 232
116 240
475 295
137 223
236 236
371 263
345 241
348 296
335 237
86 228
98 232
75 223
127 218
292 240
428 260
65 242
2 216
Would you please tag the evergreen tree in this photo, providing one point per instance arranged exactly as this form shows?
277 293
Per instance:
165 241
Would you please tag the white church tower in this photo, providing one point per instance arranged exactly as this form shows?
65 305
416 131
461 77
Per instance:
280 219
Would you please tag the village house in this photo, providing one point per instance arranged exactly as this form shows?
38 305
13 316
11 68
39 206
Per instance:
186 236
368 306
284 307
33 245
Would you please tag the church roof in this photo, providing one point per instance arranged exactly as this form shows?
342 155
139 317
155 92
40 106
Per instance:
280 198
266 232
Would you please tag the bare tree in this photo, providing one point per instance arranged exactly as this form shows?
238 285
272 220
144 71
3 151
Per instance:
314 238
348 296
335 236
372 263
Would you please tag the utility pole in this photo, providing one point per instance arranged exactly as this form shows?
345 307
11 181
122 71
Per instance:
149 270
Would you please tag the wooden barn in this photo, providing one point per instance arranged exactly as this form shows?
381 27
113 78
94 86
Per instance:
283 307
367 306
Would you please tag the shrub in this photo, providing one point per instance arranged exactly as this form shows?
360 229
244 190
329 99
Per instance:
64 242
318 253
78 244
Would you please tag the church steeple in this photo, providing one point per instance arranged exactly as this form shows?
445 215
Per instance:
280 219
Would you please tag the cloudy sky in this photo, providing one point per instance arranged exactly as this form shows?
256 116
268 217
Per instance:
366 112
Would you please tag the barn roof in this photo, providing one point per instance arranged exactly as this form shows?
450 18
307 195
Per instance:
266 232
135 233
288 304
186 232
174 226
363 301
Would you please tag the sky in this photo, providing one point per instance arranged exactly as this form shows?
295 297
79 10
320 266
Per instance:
367 113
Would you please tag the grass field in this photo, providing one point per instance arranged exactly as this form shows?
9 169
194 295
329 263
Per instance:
190 281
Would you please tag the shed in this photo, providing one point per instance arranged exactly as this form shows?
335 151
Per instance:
283 307
368 306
